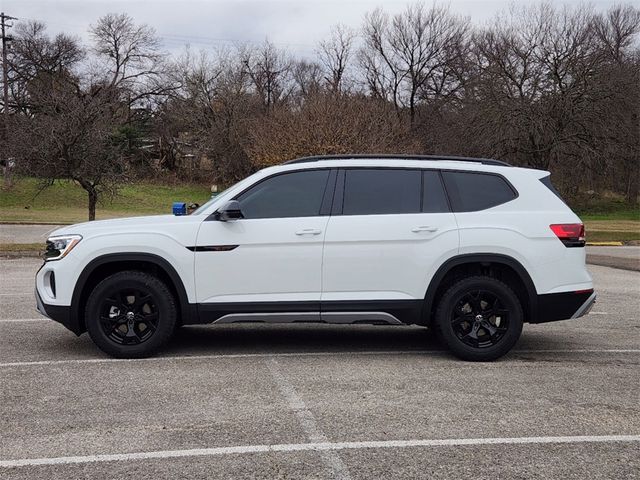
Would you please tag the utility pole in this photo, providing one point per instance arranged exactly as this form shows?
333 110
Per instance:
5 86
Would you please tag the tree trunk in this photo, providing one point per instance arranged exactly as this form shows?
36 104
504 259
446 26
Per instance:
93 199
90 188
8 180
632 188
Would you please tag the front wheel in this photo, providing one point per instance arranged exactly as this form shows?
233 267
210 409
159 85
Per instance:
130 314
479 319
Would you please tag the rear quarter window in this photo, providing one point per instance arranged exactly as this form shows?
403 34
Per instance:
546 181
475 191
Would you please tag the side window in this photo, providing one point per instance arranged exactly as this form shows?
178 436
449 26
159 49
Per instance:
470 192
296 194
434 198
381 191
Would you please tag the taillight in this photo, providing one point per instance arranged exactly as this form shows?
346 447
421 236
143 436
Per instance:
571 234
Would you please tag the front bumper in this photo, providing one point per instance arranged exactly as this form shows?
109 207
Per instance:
564 306
60 313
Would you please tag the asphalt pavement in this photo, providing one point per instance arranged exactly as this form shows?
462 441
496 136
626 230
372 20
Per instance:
314 401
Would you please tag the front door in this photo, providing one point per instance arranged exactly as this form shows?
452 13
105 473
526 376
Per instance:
273 254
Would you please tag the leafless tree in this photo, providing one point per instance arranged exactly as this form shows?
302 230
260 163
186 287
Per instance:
33 53
74 125
71 135
335 56
128 52
307 77
617 31
205 116
270 72
409 52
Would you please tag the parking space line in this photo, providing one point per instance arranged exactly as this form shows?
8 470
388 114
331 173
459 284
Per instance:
319 446
23 320
287 354
307 421
217 356
580 350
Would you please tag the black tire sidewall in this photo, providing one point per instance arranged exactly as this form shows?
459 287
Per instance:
444 327
162 297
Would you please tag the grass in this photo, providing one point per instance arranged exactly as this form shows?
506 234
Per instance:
609 220
606 209
612 236
66 202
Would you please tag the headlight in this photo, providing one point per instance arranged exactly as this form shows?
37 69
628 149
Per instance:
59 246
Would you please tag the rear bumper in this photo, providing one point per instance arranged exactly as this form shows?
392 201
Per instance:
564 306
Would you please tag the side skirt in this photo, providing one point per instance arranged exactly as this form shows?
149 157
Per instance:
392 312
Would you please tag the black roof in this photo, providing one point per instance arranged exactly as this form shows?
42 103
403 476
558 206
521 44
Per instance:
386 156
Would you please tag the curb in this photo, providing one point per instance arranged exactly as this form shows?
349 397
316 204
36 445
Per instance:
20 254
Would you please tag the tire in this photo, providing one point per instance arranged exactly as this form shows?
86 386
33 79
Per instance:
479 319
130 314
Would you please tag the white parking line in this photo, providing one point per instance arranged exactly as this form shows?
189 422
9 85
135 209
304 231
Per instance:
320 446
288 354
581 350
24 320
307 421
216 357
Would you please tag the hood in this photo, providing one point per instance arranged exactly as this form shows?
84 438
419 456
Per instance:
129 225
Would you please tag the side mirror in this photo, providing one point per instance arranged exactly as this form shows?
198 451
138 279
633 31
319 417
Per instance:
229 211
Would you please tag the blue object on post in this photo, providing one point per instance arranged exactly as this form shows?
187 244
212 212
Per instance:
179 208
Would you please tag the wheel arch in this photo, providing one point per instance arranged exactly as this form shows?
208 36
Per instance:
490 264
105 265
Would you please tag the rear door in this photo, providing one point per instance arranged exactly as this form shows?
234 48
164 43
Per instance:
390 229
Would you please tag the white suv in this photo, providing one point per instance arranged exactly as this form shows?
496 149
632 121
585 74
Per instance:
470 247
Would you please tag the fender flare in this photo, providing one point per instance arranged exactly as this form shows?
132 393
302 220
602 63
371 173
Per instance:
437 278
188 311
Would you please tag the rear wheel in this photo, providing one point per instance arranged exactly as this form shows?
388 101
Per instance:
479 319
130 314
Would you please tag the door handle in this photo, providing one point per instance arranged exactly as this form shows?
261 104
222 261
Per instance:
424 228
309 231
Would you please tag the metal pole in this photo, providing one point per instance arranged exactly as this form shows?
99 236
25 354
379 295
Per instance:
5 88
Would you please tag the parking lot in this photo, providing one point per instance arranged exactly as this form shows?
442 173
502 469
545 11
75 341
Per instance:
314 401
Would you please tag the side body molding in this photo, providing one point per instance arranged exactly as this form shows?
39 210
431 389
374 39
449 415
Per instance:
531 314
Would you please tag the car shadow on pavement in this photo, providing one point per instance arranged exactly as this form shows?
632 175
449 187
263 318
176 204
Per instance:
257 338
293 339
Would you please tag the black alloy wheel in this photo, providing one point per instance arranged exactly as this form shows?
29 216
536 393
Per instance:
131 314
479 318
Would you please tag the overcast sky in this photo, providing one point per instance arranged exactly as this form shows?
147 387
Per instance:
296 25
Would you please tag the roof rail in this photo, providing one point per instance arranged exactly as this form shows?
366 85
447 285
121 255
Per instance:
374 156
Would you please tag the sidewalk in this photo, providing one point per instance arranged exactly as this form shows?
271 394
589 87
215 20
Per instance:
626 258
14 233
